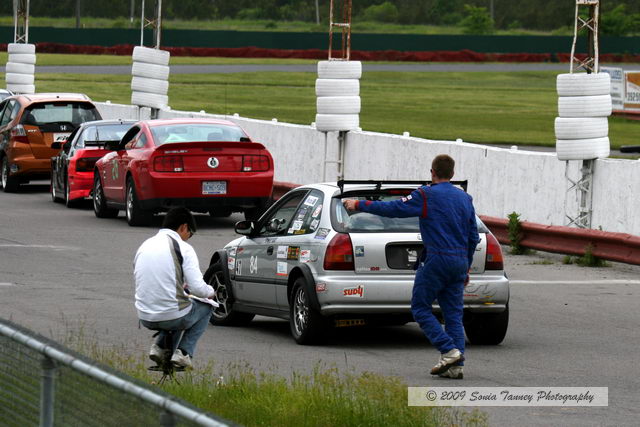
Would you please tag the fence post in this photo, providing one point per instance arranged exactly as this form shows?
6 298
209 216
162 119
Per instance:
47 392
167 419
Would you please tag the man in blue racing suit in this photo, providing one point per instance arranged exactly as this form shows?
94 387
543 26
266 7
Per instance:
450 235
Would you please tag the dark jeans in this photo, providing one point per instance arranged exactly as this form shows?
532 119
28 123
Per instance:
194 324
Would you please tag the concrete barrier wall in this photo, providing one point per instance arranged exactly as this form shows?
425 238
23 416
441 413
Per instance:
501 181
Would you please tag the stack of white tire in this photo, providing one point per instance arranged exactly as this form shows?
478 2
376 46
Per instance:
150 77
582 128
20 68
338 92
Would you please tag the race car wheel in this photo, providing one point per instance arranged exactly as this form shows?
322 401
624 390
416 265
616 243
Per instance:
9 183
100 207
486 328
67 196
55 197
307 325
224 314
135 214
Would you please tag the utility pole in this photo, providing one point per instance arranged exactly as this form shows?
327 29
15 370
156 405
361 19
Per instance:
131 10
491 11
317 13
78 13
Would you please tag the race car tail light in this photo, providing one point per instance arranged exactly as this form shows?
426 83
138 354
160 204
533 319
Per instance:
494 260
255 163
86 164
339 253
18 134
168 164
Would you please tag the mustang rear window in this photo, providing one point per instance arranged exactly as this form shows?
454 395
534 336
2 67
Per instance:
196 133
56 112
363 222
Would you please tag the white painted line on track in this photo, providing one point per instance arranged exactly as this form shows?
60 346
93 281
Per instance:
7 284
576 282
54 247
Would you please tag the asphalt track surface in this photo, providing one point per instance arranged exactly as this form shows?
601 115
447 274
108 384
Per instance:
64 272
312 68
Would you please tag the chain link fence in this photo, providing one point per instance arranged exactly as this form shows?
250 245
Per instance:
43 383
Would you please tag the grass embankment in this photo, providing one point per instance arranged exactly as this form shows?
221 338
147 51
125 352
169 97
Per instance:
326 397
481 107
358 26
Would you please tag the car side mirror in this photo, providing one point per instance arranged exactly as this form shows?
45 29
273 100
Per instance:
56 145
245 228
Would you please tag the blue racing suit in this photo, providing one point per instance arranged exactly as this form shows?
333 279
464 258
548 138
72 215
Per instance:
450 235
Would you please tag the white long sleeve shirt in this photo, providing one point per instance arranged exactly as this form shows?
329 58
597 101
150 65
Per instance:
159 284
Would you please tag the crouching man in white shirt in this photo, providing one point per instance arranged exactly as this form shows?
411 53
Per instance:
166 270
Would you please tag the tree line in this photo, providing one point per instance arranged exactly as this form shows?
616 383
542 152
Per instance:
619 17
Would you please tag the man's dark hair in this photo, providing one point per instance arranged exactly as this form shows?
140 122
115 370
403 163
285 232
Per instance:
443 166
178 216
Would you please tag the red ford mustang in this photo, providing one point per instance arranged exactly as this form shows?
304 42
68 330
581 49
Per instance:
205 165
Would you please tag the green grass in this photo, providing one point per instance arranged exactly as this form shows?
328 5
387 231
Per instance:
358 26
482 107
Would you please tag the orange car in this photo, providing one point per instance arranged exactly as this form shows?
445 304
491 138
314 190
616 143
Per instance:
29 124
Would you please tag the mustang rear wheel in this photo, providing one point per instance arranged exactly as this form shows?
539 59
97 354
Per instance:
486 328
100 207
307 325
224 314
135 214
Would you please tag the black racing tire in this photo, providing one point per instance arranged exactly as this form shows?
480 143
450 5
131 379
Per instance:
67 201
10 184
55 197
135 214
224 315
307 326
486 328
100 208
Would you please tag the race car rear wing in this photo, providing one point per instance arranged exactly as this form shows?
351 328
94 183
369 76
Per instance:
379 184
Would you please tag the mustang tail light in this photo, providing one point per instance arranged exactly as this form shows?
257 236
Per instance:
19 134
168 164
86 164
339 253
494 260
255 163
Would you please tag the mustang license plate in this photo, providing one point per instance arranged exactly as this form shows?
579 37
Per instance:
214 187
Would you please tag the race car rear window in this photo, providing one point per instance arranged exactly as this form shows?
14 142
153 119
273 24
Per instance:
44 113
364 222
197 132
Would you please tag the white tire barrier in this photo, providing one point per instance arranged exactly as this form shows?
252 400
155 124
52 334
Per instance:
339 69
581 128
582 149
19 79
150 56
338 105
337 122
583 84
15 88
17 68
153 100
151 71
22 58
337 87
143 84
584 106
27 48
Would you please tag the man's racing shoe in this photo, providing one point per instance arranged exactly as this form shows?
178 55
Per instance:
454 372
181 359
446 360
156 354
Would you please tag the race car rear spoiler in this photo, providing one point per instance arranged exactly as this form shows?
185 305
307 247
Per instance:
379 184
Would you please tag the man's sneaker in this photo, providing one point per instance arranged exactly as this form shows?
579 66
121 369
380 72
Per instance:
454 372
180 359
446 360
156 353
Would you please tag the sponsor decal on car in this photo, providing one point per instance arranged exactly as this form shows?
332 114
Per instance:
321 287
357 292
301 213
281 269
253 264
231 263
302 231
359 251
239 267
314 224
232 251
322 233
282 252
305 255
293 254
317 211
311 201
297 225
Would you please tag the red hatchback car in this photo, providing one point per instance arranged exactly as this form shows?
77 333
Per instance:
205 165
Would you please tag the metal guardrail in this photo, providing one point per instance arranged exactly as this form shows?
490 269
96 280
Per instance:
620 247
43 383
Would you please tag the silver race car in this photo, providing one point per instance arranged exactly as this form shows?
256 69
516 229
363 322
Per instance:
310 261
